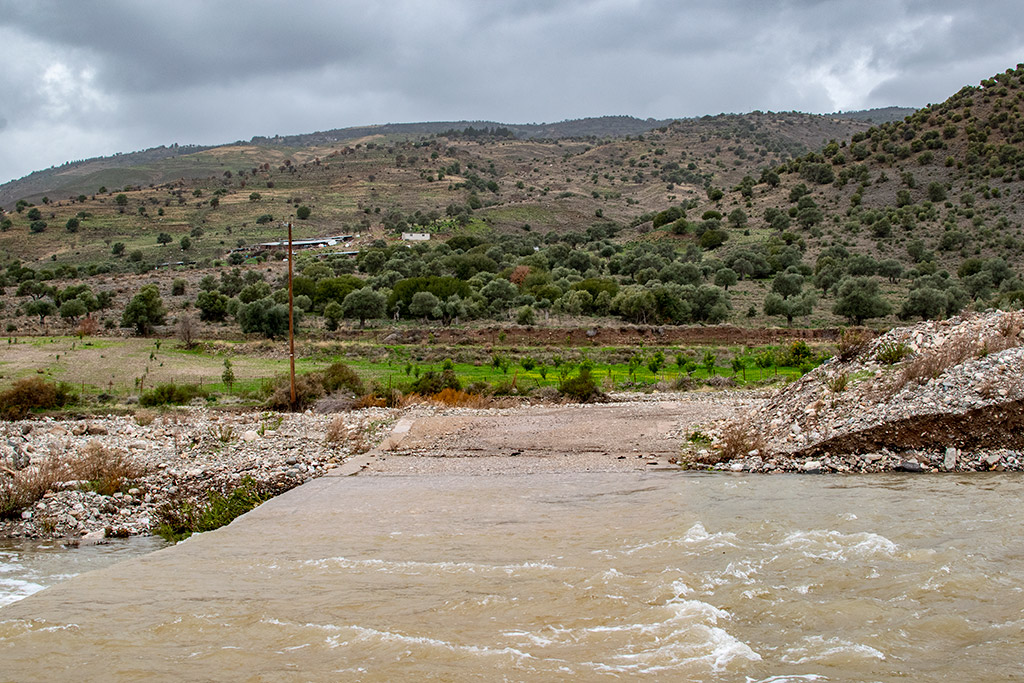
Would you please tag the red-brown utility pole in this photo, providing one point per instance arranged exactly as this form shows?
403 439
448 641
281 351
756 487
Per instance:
291 317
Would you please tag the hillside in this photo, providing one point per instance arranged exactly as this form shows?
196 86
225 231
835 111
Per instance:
754 219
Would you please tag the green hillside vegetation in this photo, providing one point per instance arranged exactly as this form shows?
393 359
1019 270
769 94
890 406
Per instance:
753 220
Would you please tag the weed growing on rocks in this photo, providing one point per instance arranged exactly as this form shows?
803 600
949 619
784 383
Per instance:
180 519
105 471
852 343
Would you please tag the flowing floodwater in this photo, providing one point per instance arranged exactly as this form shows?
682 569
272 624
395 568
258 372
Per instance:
29 566
657 576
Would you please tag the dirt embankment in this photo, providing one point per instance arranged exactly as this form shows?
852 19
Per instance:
940 395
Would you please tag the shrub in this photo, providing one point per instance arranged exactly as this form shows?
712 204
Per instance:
891 352
33 393
171 394
340 376
837 383
433 382
105 470
580 388
795 354
180 519
144 417
851 343
308 388
337 431
23 488
738 439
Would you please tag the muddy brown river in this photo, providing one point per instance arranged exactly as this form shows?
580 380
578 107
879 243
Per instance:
549 577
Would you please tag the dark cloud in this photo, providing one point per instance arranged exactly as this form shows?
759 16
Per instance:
82 79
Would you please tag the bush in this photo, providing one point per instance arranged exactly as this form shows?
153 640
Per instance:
179 520
433 382
104 470
892 352
26 486
308 388
738 439
171 394
33 393
580 388
340 376
851 343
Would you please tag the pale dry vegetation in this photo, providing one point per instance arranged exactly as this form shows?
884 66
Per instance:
94 467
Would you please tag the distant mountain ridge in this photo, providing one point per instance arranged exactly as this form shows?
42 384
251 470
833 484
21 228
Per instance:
133 169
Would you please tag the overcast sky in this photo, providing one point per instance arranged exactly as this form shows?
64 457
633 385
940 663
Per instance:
83 78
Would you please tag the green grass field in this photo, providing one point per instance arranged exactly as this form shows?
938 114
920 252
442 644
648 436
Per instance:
126 367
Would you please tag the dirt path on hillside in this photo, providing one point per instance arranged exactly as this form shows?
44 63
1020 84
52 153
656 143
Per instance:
622 436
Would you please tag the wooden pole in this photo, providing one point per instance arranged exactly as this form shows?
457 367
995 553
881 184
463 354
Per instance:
291 317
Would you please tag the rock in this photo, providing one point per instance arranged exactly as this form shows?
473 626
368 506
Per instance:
811 467
909 466
94 536
736 467
949 461
96 430
872 457
57 431
250 436
992 459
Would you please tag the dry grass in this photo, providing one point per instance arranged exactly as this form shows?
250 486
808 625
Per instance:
144 417
739 439
340 434
103 470
461 399
933 362
19 490
106 470
1008 336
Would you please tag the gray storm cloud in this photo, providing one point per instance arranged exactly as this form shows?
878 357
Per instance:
85 79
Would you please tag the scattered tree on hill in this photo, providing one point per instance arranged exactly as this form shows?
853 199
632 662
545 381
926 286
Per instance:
145 310
40 307
364 304
858 299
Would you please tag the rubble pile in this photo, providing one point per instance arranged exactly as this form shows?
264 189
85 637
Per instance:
937 396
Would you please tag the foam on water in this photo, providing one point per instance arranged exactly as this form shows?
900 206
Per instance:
12 590
416 568
833 650
829 544
350 634
695 536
